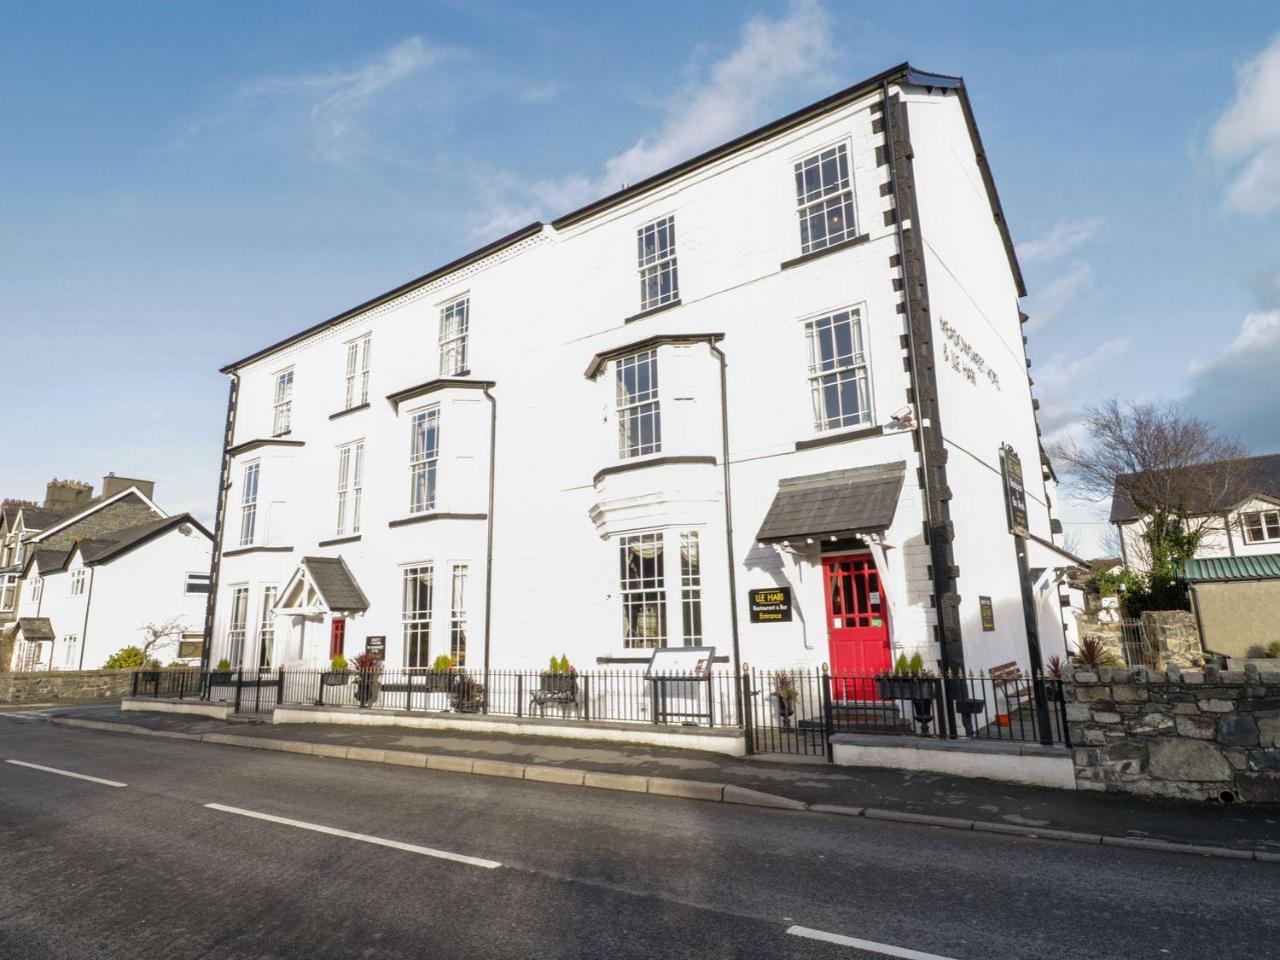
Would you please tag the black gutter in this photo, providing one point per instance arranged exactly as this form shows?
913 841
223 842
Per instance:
488 533
466 260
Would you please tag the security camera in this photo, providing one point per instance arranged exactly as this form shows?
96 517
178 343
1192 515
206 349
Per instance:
904 416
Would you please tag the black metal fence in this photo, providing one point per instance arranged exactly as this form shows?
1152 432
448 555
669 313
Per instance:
598 696
797 711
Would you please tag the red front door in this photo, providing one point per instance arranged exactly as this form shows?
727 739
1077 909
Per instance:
857 625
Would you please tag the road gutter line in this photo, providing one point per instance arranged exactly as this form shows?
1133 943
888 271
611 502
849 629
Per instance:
364 838
869 946
67 773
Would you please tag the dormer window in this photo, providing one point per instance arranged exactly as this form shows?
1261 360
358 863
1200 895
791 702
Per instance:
283 403
1260 525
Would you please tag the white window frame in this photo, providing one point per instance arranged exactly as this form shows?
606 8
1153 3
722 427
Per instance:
656 257
37 590
282 422
251 476
424 458
824 182
1267 526
350 487
837 370
356 378
77 582
8 591
70 644
415 621
643 592
691 628
237 624
459 574
267 624
455 336
638 406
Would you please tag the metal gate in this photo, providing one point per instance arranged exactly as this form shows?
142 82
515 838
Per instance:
787 712
252 692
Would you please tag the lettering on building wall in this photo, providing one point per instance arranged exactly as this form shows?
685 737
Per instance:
960 355
771 605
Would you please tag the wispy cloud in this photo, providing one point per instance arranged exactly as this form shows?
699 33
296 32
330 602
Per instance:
1063 237
1236 388
724 97
1247 135
1059 385
331 114
1061 295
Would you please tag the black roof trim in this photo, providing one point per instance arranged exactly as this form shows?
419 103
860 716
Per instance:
434 386
125 543
901 71
657 340
464 261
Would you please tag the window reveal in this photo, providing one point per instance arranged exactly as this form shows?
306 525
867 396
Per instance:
838 372
824 199
656 253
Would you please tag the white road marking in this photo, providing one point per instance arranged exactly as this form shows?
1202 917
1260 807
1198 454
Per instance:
67 773
870 946
365 838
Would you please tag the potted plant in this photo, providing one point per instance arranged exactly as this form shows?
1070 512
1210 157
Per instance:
368 677
221 674
560 679
443 676
1053 679
785 693
468 694
337 675
908 681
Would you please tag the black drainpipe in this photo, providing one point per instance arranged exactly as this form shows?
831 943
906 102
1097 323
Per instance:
728 522
224 483
488 549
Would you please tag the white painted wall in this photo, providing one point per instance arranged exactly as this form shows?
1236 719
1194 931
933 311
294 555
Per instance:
540 311
1224 536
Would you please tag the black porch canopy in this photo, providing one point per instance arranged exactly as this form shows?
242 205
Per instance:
840 502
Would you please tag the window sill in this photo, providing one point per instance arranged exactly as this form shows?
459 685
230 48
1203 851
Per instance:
652 310
639 463
339 540
841 436
349 410
255 444
242 551
431 515
834 248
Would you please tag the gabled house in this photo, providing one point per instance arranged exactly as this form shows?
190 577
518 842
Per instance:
91 576
1240 512
792 366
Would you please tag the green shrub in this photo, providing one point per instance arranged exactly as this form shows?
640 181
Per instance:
900 666
561 666
442 663
126 658
916 664
338 664
223 664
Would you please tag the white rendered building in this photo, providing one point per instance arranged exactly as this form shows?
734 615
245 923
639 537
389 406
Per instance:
788 365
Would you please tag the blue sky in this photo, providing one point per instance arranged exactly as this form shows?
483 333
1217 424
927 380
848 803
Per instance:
181 184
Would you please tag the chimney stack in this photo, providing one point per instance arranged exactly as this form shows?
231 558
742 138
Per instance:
63 496
111 485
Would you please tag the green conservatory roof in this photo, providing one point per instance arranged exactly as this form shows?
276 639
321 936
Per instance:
1264 566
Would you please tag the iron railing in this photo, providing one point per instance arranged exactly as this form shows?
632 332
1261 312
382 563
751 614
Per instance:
796 711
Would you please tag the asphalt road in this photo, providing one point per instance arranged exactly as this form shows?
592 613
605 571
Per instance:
449 865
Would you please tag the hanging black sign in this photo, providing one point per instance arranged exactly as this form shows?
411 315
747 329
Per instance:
771 605
377 646
988 614
1015 494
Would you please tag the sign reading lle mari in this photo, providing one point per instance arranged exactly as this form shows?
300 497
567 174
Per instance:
771 605
1015 494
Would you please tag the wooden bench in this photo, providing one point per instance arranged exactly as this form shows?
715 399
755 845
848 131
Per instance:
1010 682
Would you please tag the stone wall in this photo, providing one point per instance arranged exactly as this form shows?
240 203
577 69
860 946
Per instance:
64 685
1194 734
1174 636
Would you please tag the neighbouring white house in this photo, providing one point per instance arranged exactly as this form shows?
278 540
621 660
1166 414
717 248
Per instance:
755 401
93 577
1243 519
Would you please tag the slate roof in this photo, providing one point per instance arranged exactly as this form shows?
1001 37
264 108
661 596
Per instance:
860 500
333 579
38 518
123 540
35 628
1263 566
48 561
1255 475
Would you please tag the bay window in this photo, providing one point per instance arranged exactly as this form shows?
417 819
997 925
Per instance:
236 626
424 455
458 616
267 627
647 594
249 503
415 617
639 415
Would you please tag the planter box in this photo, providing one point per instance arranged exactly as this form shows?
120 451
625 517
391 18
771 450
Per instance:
560 684
441 681
335 679
907 688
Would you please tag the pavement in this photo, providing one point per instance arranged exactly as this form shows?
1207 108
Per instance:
958 802
177 849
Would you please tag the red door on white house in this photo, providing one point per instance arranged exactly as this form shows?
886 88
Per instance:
857 625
